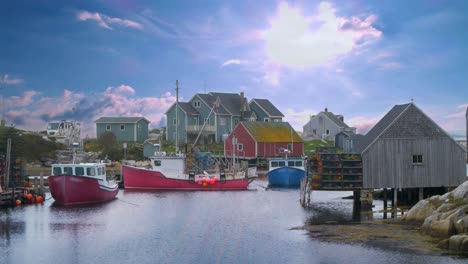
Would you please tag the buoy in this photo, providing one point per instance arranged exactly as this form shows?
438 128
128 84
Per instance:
39 199
18 202
204 184
29 196
212 181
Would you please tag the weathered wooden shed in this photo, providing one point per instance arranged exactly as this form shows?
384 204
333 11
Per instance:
407 149
263 140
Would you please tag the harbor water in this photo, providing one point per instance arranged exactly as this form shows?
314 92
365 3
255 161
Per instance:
254 226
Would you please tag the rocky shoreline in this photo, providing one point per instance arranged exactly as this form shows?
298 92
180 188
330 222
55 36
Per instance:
437 225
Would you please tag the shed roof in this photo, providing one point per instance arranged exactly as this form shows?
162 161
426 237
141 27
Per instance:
272 131
268 107
379 128
122 119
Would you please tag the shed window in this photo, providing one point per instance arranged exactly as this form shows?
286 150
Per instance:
174 121
79 171
122 127
328 132
417 159
290 147
57 170
108 127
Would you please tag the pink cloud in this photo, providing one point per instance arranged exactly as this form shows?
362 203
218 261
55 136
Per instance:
105 21
363 124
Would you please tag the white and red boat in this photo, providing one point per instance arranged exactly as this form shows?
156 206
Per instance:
81 183
169 173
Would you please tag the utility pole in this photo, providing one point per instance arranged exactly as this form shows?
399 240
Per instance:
177 118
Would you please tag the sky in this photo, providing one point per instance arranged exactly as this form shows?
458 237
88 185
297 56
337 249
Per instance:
81 60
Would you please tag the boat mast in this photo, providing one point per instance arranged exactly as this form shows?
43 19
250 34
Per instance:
177 117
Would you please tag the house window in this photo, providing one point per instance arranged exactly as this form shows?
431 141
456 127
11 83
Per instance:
122 127
417 159
290 147
266 119
236 121
240 147
314 131
196 104
108 127
222 121
328 132
174 121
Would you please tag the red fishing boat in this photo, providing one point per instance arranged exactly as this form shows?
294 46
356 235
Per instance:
168 173
81 183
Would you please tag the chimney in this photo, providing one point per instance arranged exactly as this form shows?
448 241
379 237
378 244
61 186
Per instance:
326 109
242 106
340 117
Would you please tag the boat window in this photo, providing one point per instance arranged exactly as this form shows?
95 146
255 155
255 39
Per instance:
79 171
68 170
274 164
282 163
57 170
157 163
290 163
90 171
102 171
298 163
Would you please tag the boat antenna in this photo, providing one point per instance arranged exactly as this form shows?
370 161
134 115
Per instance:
177 117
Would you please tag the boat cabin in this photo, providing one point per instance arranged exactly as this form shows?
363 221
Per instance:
94 170
169 166
297 163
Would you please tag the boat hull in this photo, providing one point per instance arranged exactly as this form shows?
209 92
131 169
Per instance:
70 189
139 178
285 177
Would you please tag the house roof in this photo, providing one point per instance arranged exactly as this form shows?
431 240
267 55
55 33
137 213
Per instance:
230 101
335 119
188 108
210 100
272 131
122 119
268 107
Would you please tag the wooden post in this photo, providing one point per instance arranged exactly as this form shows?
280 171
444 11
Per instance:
394 202
41 184
357 199
385 203
35 186
421 194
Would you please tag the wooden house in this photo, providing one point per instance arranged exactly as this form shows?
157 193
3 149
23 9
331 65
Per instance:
214 115
124 128
407 149
265 111
325 125
252 140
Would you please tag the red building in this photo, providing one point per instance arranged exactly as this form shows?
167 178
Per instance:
263 140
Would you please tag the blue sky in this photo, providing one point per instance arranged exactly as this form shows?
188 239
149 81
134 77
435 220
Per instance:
82 60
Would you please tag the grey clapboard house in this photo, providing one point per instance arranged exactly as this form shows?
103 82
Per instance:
124 128
407 149
325 125
264 111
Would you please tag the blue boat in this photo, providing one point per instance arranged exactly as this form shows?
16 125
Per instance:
286 172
